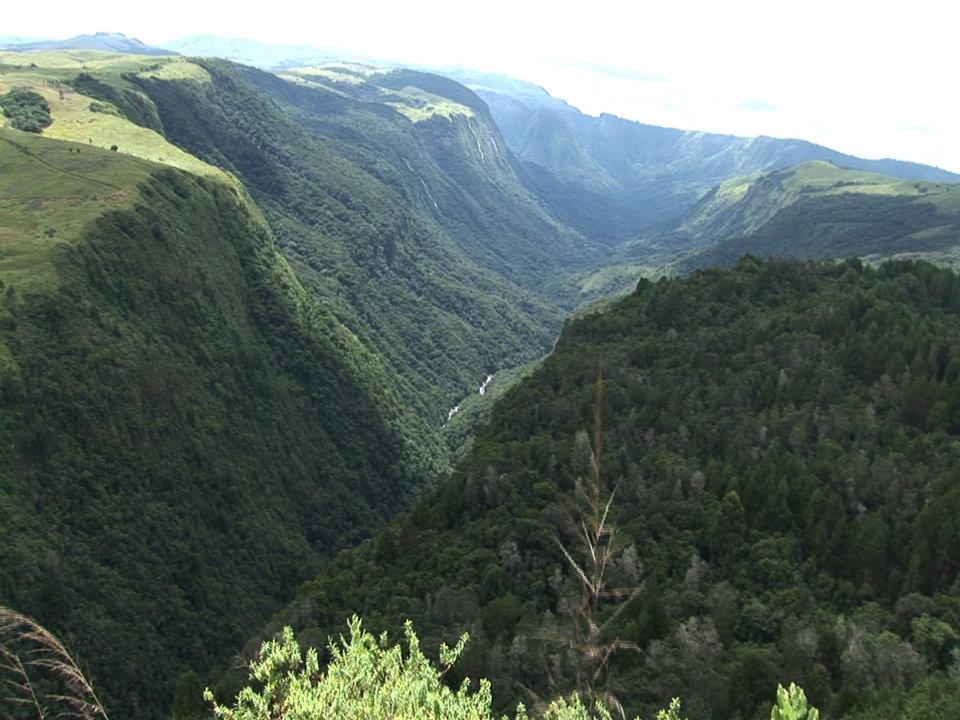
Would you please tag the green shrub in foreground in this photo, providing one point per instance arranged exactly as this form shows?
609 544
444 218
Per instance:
369 679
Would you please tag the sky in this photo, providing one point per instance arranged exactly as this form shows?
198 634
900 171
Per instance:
874 79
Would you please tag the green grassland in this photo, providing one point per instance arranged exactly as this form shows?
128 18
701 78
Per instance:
49 192
419 106
612 280
53 74
717 203
740 206
334 72
412 101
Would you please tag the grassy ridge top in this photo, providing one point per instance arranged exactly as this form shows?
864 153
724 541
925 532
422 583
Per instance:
49 191
741 205
92 100
376 84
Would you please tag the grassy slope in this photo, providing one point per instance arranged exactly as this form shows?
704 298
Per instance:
48 194
784 437
817 210
741 206
186 432
51 74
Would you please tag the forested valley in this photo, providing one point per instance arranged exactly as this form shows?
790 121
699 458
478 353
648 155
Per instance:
348 390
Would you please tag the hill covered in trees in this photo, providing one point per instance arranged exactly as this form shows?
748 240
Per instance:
236 306
163 364
397 201
391 193
819 211
170 397
780 443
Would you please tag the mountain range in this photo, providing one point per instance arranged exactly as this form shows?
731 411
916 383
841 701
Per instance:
237 308
103 41
818 211
628 177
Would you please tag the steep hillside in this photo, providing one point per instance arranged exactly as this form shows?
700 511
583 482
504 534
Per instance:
817 210
632 176
396 200
93 101
186 432
783 440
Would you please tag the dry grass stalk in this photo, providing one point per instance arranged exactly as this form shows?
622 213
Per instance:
591 558
28 649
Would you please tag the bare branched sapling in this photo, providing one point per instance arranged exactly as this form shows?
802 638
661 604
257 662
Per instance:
591 557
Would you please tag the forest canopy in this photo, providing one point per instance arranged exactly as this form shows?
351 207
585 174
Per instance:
783 440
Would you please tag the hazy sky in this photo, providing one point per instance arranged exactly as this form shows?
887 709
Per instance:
874 79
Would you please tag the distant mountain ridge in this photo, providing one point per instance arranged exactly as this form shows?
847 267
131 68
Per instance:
630 176
104 41
6 40
609 178
816 210
250 52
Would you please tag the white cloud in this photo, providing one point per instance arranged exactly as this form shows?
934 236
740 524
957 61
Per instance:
858 76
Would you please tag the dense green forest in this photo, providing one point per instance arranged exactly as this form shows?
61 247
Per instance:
235 307
186 432
782 438
415 232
